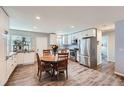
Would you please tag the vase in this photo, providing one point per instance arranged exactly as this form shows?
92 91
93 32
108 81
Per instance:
54 53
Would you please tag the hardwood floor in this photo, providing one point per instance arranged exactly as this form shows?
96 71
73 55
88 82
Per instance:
78 76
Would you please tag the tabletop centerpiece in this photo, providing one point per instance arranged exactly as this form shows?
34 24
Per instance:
54 49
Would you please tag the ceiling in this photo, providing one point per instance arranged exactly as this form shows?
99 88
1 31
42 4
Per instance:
63 19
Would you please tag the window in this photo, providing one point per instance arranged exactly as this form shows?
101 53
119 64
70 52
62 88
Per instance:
20 43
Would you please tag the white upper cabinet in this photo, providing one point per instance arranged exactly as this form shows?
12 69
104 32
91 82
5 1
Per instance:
65 39
69 40
92 32
4 20
53 39
76 35
89 33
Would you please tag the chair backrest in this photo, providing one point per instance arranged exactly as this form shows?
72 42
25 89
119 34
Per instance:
62 55
62 64
46 52
38 59
64 51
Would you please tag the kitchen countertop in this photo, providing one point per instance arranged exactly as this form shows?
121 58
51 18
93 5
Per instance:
15 53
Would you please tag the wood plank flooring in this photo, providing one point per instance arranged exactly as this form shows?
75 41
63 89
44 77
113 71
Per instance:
78 76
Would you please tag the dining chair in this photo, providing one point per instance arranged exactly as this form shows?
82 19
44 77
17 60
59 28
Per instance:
48 66
46 52
41 66
64 51
62 64
63 55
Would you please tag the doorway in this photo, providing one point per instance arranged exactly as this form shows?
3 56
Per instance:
104 52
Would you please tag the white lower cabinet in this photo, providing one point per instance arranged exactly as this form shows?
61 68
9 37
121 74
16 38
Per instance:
26 58
29 58
2 72
11 64
20 58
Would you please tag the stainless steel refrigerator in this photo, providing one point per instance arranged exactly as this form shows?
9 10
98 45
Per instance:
88 52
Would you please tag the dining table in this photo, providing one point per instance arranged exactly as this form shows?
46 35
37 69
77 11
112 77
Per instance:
51 59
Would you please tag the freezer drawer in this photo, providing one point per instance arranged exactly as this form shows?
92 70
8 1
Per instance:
84 60
88 61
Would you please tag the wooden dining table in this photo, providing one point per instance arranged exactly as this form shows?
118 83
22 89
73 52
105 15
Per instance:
50 59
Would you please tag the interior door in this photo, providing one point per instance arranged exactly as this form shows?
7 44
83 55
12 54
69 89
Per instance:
41 44
104 53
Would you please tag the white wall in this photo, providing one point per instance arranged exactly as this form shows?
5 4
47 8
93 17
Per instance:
99 47
119 48
111 45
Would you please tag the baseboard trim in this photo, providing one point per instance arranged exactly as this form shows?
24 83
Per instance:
120 74
26 63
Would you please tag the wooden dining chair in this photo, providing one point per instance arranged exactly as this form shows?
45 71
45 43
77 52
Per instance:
46 52
62 55
62 64
64 51
41 66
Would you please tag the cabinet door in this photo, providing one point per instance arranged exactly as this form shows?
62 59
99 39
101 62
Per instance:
15 60
29 58
1 18
9 68
20 58
4 20
69 40
92 33
65 39
2 72
32 57
26 58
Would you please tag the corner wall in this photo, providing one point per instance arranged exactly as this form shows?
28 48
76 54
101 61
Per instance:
111 45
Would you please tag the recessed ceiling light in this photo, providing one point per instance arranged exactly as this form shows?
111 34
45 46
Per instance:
72 26
37 17
35 27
